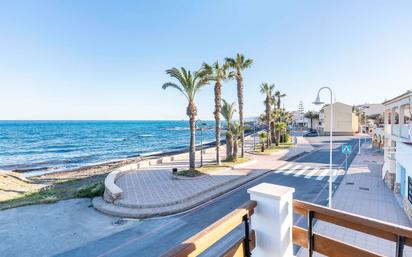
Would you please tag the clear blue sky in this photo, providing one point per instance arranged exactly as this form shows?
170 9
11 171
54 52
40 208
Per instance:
106 59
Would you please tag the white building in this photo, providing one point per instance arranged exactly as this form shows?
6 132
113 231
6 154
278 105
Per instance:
396 135
345 121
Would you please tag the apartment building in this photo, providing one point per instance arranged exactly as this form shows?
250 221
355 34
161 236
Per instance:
397 142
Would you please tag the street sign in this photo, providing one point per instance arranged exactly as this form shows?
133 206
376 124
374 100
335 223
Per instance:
346 149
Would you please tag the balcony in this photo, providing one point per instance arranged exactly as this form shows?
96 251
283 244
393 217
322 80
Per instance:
396 130
405 131
388 129
379 131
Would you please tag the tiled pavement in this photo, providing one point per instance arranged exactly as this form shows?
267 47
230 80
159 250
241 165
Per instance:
363 192
153 190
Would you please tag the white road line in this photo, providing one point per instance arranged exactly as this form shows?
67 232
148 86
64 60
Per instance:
335 175
312 172
301 171
323 174
292 169
283 168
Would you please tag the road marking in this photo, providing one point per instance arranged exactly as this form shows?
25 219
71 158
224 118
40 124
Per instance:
312 172
292 169
335 175
322 174
303 170
284 168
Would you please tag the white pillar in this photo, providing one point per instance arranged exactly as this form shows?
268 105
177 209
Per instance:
272 220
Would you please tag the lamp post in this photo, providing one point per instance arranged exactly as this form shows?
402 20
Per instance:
319 102
254 135
201 139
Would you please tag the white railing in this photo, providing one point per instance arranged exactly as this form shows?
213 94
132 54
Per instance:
405 131
379 131
388 128
396 129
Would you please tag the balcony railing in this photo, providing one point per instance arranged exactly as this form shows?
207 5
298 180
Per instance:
388 128
405 131
303 237
200 242
396 130
331 247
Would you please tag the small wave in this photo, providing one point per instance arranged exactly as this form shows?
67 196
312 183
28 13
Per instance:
178 128
150 153
146 135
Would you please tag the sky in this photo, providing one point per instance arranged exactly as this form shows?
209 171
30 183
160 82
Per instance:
99 59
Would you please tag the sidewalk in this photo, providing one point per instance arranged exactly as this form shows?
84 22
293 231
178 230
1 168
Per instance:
153 191
363 192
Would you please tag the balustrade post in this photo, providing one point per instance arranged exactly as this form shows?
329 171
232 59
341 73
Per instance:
272 220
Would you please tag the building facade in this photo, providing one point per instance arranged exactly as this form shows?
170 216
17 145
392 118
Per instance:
345 121
397 143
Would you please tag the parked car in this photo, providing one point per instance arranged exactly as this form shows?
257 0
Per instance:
311 134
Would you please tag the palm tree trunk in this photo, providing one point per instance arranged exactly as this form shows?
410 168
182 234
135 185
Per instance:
277 137
229 149
235 149
272 131
191 112
267 102
218 105
240 102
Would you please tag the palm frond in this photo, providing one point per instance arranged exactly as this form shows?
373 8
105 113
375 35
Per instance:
173 85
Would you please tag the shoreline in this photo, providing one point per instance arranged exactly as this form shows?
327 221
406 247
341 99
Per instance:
106 167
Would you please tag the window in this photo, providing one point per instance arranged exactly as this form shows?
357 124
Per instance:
396 118
389 115
406 114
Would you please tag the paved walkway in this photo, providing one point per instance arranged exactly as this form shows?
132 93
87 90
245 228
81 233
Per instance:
363 192
154 191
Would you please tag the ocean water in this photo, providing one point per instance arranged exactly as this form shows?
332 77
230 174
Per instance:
49 146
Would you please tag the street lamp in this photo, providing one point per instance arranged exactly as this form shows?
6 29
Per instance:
201 139
254 135
319 102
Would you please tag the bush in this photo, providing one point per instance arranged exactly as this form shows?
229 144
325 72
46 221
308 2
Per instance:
92 190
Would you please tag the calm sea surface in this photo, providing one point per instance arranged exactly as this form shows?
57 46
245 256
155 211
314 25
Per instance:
46 146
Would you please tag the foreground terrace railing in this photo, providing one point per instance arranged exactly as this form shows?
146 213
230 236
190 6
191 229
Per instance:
213 233
276 238
330 247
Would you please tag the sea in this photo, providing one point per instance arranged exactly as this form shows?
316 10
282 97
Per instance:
38 147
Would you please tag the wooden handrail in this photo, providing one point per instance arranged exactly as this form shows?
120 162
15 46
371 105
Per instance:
356 222
328 246
210 235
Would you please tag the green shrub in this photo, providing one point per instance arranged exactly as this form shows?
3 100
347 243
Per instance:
92 190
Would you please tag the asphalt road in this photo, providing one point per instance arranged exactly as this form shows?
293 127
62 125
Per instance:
153 237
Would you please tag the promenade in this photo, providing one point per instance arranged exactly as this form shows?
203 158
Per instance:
154 191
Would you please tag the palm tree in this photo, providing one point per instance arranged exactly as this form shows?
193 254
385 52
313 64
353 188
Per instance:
236 132
312 115
228 110
263 139
239 64
279 95
218 74
267 89
190 84
280 126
